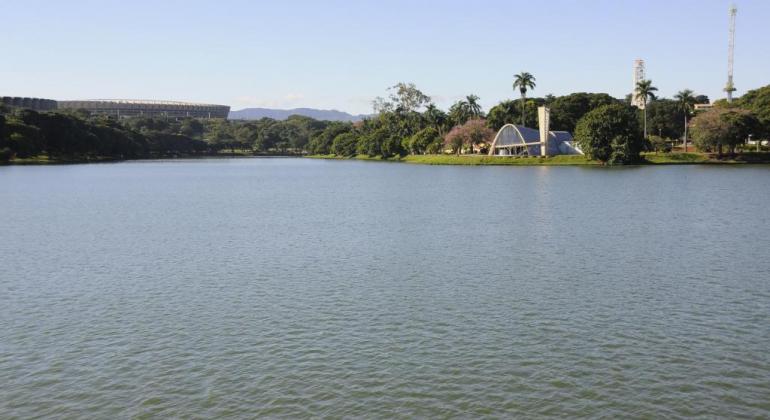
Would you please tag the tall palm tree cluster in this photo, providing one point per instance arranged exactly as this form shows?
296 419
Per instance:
467 109
686 99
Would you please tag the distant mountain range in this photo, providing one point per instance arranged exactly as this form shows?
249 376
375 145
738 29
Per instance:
282 114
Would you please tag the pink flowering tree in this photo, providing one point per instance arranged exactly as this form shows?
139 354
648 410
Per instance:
470 135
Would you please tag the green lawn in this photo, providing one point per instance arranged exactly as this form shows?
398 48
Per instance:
675 158
561 160
474 160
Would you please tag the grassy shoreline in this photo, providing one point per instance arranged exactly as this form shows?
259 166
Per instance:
462 160
562 160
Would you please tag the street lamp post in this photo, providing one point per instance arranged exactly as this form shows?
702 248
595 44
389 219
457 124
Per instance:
685 129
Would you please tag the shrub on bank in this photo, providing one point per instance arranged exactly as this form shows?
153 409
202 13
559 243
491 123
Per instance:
660 144
610 134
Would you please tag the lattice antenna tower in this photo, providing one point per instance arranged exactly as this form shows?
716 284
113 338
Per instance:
730 87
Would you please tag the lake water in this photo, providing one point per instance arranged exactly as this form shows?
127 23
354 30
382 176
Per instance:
296 288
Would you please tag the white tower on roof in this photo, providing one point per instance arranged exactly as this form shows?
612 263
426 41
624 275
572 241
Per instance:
637 100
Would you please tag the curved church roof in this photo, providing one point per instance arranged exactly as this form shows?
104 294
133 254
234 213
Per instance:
511 135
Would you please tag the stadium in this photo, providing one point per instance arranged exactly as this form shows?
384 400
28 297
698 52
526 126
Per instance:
132 108
37 104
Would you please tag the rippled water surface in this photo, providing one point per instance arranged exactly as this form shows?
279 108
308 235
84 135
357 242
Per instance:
296 288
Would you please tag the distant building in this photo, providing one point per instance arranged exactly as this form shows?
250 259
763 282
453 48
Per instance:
37 104
133 108
703 107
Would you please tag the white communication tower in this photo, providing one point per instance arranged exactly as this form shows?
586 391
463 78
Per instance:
637 100
730 87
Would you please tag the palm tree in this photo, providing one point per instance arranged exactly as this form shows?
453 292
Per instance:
686 101
472 104
646 90
436 118
523 81
459 113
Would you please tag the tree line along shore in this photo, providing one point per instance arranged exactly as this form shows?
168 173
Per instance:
408 127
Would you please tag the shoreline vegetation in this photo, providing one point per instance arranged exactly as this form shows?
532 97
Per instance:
409 127
44 159
674 158
561 160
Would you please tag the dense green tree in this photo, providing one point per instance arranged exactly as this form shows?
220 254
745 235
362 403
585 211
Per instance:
222 137
664 118
192 128
144 124
401 123
321 143
718 127
164 143
523 81
392 147
2 132
344 145
758 102
567 110
371 142
301 129
423 140
113 140
610 134
61 134
246 135
23 139
271 136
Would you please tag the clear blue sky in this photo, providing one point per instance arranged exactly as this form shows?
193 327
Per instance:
341 54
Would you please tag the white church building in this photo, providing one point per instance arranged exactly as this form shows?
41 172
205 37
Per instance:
524 141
